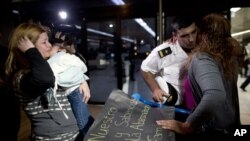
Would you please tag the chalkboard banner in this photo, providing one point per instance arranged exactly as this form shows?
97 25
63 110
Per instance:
126 119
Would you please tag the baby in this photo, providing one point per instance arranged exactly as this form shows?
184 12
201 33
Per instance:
69 73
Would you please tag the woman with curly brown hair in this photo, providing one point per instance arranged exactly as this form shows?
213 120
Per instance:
213 82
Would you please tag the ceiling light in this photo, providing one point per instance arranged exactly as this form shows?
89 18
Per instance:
111 25
108 34
118 2
66 25
138 20
15 11
99 32
63 15
235 9
127 39
240 33
145 26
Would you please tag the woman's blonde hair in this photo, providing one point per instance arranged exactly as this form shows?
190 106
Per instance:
16 59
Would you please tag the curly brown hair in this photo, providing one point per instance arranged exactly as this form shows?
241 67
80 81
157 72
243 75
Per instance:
215 39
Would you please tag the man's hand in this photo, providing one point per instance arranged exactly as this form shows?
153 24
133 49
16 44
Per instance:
158 95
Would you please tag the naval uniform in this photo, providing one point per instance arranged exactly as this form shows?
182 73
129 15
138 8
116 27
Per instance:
166 60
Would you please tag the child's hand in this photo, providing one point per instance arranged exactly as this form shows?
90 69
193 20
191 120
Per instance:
84 89
54 50
59 35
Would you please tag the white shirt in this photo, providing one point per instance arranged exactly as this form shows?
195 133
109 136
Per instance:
68 70
168 66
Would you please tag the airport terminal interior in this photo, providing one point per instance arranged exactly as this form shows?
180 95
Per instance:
113 35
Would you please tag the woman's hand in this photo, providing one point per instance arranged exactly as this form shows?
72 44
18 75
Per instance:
24 44
84 89
176 126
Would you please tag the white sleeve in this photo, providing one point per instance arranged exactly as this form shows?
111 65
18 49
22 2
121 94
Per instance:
150 64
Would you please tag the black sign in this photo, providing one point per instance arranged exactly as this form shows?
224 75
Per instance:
126 119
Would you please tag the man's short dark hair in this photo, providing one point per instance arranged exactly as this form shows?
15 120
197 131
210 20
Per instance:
182 22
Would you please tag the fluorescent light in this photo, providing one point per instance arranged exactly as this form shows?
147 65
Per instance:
66 25
235 9
99 32
128 39
15 11
145 26
118 2
78 27
138 20
108 34
240 33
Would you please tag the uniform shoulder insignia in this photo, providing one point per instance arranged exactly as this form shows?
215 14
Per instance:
164 52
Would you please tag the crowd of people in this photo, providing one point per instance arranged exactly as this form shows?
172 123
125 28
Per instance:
189 70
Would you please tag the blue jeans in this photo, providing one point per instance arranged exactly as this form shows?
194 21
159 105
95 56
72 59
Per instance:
79 108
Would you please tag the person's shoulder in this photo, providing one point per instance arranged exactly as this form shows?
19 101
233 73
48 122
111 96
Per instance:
57 56
202 57
164 46
162 50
